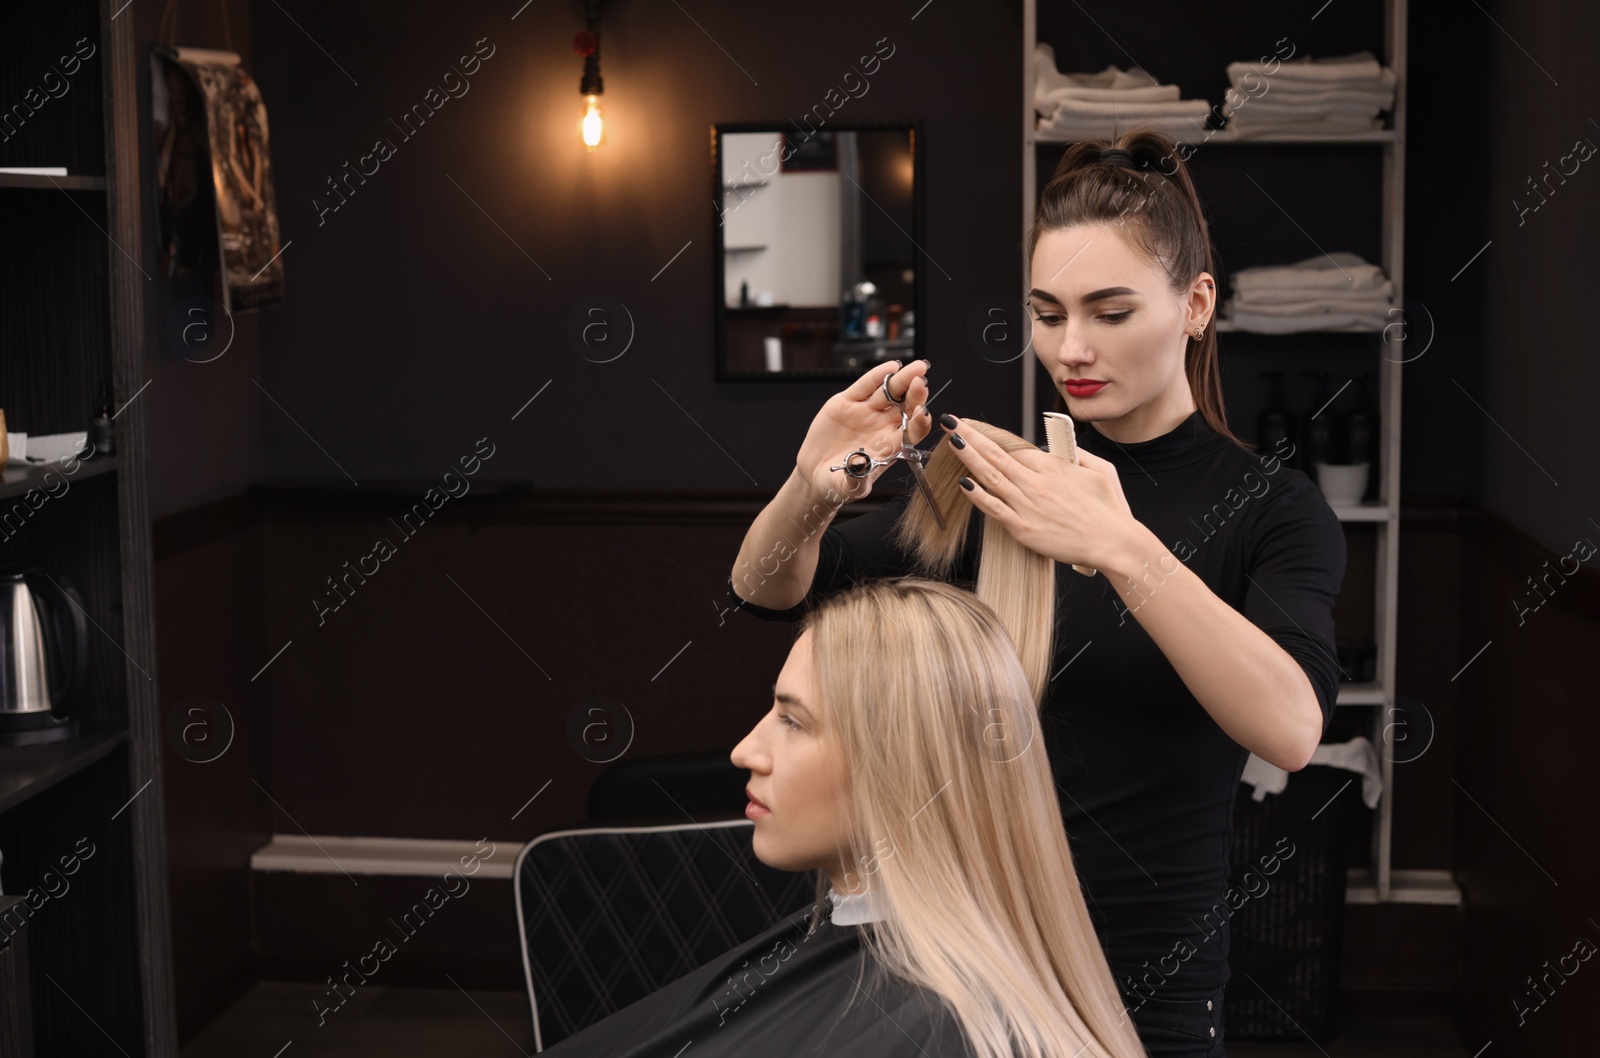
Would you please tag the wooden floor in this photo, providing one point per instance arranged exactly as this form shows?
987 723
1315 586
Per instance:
278 1018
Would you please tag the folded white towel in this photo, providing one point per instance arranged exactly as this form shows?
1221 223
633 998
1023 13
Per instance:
1360 66
1080 127
1154 93
1256 82
1260 112
1284 95
1087 104
1047 75
1047 102
1094 108
1310 306
1301 127
1251 77
1261 323
1340 270
1357 755
1353 298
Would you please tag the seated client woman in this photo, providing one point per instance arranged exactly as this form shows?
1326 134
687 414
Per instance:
899 761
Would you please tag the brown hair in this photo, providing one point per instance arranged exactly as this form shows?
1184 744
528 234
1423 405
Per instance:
1138 177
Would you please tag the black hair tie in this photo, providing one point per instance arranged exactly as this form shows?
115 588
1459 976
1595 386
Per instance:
1117 156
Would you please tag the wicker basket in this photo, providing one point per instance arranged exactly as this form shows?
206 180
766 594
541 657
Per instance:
1288 907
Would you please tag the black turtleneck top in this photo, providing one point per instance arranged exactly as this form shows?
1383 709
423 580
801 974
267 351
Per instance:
1147 779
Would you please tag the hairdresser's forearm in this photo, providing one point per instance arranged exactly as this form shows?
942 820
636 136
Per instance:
1250 685
778 558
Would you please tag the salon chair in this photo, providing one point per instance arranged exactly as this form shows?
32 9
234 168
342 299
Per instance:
610 914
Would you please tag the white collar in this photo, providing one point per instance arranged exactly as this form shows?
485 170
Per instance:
852 909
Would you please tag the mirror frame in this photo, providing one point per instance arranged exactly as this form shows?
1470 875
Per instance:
917 235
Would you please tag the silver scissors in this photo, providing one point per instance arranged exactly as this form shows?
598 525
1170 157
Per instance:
860 463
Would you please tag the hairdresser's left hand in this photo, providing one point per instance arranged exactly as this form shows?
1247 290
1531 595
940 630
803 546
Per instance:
1073 513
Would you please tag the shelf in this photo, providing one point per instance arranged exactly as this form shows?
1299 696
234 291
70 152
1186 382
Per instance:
1405 887
18 478
1361 512
1360 692
28 770
1220 137
745 249
330 854
77 316
49 183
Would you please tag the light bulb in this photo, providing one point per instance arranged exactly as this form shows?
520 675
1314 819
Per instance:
592 126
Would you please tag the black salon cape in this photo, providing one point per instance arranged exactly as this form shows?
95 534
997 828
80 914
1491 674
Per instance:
782 995
1147 780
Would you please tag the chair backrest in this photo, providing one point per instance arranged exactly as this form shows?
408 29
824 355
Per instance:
608 915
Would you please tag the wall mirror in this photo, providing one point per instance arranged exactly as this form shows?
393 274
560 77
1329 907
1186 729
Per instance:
817 234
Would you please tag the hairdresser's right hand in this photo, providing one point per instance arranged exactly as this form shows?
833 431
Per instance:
862 417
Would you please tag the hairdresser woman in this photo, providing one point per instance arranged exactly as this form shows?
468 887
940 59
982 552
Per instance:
1207 632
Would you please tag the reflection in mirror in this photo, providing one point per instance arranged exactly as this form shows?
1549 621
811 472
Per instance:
817 239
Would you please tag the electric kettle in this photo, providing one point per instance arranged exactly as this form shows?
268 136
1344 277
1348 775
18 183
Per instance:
44 655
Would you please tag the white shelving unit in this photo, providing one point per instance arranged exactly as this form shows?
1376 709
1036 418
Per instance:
1381 883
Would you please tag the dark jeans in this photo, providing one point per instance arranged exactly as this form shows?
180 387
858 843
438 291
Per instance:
1181 1028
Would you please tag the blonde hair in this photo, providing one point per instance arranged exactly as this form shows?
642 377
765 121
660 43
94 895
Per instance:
962 831
1017 583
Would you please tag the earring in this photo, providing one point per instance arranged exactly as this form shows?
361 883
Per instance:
1199 334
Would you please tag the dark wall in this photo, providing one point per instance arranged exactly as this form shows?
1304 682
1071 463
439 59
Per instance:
436 698
208 587
424 312
205 437
427 308
1527 802
1527 799
432 304
204 440
1446 188
1540 275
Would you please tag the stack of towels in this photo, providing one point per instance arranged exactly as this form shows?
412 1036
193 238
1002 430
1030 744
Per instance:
1075 106
1330 292
1337 96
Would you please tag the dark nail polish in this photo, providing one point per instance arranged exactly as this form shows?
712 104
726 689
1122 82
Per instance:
956 440
966 483
948 421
